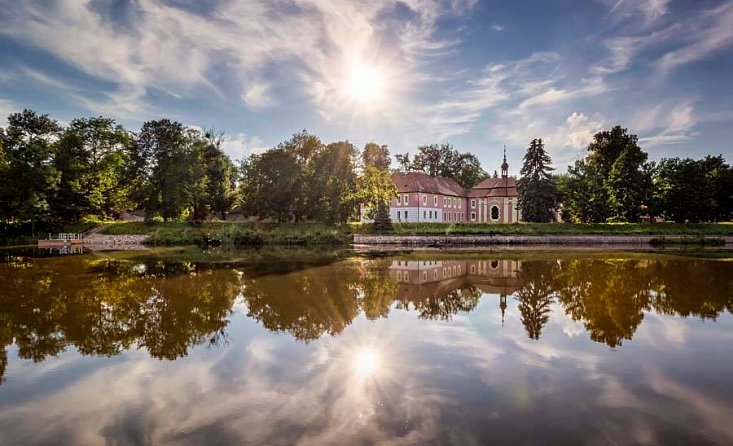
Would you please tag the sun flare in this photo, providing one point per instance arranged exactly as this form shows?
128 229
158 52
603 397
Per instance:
365 84
366 363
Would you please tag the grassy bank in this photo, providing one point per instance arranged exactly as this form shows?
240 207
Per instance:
232 233
701 229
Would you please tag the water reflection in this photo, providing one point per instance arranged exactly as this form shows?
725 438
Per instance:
104 306
451 348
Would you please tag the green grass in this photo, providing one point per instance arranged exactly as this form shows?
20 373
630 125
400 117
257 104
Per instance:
233 233
553 229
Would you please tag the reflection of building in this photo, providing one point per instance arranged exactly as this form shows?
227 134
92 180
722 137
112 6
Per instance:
426 279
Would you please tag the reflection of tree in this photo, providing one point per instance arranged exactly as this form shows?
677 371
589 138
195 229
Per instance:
443 306
693 287
103 307
379 290
306 303
608 296
534 293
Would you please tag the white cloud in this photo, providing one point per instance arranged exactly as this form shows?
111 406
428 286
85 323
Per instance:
666 123
497 27
652 10
240 146
258 95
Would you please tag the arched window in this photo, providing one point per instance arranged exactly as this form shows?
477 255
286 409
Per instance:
494 212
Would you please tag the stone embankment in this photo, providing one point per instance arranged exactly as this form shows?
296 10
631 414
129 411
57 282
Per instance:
103 242
576 240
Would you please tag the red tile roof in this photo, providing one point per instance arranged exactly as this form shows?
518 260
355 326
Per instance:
421 182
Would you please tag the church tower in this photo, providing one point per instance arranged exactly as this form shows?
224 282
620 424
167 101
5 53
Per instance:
504 166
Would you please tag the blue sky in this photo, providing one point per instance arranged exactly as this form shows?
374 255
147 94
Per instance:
478 74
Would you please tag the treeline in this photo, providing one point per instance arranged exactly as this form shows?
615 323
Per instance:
615 182
94 168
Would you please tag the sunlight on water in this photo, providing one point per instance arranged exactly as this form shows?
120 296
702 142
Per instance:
366 363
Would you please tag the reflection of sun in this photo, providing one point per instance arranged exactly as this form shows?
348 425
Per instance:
365 84
366 363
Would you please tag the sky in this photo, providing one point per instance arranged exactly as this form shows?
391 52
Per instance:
478 74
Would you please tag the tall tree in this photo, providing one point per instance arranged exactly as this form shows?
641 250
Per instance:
92 157
29 177
334 182
376 156
164 148
537 191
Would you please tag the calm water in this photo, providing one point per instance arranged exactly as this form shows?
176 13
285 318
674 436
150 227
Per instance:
299 348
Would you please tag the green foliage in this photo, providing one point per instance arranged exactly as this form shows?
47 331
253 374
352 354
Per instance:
375 155
613 183
28 178
537 191
233 233
301 179
443 160
375 191
694 190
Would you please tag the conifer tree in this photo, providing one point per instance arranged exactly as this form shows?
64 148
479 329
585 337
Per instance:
536 188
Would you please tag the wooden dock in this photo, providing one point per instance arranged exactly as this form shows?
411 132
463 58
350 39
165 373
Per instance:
60 240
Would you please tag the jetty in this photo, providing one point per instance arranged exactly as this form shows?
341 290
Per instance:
61 239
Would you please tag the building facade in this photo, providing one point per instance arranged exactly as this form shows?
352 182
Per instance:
424 198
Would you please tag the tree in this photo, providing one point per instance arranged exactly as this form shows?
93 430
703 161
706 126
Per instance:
403 162
629 184
693 190
164 150
536 189
583 193
270 182
613 183
213 178
376 156
334 182
29 175
92 156
443 160
375 191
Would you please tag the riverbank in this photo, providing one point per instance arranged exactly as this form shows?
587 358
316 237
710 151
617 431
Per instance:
535 240
231 233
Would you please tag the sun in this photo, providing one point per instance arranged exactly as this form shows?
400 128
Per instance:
365 84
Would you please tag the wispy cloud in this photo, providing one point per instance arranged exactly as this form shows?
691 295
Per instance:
709 34
152 53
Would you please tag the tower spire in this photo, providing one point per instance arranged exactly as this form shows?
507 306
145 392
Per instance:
504 165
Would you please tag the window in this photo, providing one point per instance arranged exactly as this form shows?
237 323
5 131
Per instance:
473 204
424 276
405 215
424 214
473 269
473 216
445 202
406 199
494 264
425 200
494 212
459 203
435 200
